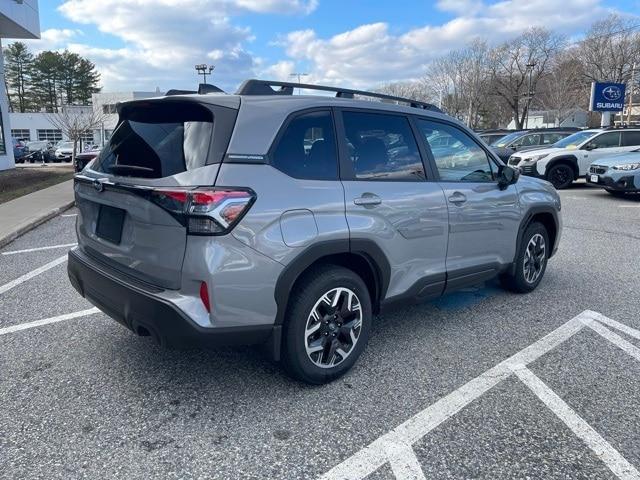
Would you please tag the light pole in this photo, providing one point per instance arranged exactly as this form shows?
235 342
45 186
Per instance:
631 85
204 69
299 77
530 67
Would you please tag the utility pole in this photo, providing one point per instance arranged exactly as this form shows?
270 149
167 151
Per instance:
299 77
631 85
204 69
530 66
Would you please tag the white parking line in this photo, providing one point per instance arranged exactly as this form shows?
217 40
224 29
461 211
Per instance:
603 449
395 447
629 206
372 457
47 321
37 249
69 215
33 273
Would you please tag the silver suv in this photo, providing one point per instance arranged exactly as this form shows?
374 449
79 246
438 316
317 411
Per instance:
289 221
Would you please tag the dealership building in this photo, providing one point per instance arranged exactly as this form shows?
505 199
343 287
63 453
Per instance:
37 126
18 19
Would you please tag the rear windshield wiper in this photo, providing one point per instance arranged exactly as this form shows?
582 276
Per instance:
134 170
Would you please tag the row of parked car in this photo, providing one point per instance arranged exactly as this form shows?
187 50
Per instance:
607 157
42 151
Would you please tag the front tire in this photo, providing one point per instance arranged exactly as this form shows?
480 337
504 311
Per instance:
560 176
327 324
531 260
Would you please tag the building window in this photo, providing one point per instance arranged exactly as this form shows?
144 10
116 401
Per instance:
87 137
21 134
109 108
50 135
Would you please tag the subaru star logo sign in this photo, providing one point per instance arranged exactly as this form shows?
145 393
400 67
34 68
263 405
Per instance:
611 93
607 97
98 185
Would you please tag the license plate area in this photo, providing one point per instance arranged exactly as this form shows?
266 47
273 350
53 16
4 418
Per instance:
594 178
110 222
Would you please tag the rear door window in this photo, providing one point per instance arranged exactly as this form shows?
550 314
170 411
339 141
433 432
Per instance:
307 148
158 140
382 147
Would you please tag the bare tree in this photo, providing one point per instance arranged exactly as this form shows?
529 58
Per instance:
518 65
564 89
609 50
75 122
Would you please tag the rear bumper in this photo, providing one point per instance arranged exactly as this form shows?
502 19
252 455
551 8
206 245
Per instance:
141 311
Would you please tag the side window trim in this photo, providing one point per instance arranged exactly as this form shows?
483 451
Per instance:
494 163
285 125
347 172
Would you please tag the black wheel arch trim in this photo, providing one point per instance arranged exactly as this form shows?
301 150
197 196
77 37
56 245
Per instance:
571 159
365 249
526 221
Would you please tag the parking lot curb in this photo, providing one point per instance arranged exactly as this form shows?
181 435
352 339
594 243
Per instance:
39 220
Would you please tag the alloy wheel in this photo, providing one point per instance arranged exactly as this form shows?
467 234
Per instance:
333 327
534 258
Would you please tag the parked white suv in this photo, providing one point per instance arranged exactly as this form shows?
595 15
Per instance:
569 159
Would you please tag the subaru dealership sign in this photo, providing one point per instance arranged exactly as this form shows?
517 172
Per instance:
607 97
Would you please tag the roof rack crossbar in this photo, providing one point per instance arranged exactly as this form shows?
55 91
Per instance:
265 87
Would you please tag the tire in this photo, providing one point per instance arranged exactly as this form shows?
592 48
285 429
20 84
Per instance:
331 328
560 176
524 279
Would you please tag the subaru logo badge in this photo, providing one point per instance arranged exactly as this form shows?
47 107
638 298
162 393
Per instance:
612 93
97 184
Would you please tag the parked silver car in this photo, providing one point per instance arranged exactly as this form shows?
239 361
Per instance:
289 220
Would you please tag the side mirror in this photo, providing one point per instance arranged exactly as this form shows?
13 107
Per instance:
507 176
590 146
513 147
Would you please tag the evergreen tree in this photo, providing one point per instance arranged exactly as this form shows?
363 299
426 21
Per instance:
18 70
47 72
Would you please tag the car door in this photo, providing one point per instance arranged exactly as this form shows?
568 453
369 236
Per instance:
483 218
602 145
390 201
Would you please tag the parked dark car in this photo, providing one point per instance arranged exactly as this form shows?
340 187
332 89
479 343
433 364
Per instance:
83 158
18 150
491 136
530 140
39 151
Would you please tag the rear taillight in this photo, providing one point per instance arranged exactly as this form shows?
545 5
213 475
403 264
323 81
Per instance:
210 211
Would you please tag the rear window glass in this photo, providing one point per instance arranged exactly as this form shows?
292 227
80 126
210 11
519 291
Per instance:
158 140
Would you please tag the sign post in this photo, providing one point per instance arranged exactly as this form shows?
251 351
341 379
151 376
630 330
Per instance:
606 97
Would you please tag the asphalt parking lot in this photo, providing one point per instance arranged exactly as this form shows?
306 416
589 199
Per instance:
479 384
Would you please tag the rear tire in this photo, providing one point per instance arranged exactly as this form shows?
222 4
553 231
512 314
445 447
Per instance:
560 176
327 324
531 260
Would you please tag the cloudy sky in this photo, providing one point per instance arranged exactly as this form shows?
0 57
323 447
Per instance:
144 44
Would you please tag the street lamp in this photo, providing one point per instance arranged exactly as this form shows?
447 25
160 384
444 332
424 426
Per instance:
204 69
530 67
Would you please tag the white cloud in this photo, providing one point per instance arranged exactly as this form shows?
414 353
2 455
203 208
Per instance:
164 39
371 54
53 39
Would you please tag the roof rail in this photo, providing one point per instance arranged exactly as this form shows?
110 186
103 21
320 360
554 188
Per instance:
175 91
205 88
265 87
